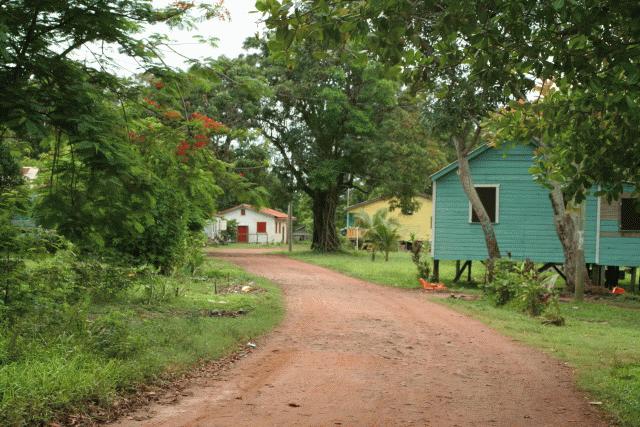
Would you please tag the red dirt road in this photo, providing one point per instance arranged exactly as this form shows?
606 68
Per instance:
353 353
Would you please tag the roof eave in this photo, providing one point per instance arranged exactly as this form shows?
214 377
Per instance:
454 165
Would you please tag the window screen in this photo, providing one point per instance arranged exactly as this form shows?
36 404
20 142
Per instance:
489 198
262 227
629 214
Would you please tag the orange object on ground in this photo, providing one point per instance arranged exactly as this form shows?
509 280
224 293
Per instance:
432 286
618 291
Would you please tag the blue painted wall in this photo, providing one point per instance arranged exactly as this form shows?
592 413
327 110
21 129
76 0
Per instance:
622 249
525 227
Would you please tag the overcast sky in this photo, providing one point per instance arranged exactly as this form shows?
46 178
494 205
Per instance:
230 34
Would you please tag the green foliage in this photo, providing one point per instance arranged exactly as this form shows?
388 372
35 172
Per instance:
85 355
449 50
381 232
41 82
332 120
505 282
230 234
553 314
110 336
519 283
530 297
118 182
10 176
420 258
103 281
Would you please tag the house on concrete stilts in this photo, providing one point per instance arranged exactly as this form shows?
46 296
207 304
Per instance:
522 215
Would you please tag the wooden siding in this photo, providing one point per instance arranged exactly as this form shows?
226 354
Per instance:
617 247
525 228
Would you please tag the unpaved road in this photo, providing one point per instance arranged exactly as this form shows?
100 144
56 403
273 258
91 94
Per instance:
353 353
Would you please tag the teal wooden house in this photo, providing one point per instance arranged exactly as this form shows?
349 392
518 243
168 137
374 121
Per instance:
522 215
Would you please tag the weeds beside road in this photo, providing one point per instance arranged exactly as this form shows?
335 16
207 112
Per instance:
97 350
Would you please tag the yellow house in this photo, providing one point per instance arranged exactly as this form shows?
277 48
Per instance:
417 222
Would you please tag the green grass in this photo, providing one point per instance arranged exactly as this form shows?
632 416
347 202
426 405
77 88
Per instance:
398 272
61 373
601 340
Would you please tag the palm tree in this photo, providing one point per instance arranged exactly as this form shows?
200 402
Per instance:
381 232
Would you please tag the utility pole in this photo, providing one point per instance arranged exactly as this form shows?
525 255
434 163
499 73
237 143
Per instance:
348 203
290 227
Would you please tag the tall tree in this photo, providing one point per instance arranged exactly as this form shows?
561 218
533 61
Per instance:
424 39
324 117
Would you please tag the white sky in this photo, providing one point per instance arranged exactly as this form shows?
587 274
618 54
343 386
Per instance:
230 34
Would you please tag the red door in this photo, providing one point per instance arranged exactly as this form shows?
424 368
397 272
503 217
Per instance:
243 234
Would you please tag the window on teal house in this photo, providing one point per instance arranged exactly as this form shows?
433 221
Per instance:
490 198
629 214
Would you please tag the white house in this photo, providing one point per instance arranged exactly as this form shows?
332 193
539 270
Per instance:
257 225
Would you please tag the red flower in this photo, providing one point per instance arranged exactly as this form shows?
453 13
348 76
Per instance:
151 102
208 122
183 148
159 84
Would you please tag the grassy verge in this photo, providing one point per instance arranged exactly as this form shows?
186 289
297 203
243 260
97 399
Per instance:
398 272
128 342
601 340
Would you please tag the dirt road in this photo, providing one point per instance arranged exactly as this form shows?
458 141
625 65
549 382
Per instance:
353 353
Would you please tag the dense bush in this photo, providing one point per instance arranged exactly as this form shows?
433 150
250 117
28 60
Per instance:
231 233
519 284
110 336
103 281
503 287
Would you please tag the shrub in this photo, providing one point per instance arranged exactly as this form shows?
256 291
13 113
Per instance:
231 233
421 261
530 297
192 256
103 281
503 288
521 284
552 314
110 336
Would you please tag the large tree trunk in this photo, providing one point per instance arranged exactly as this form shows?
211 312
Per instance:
325 236
467 184
569 223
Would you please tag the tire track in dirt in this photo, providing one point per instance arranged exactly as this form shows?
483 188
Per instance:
354 353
